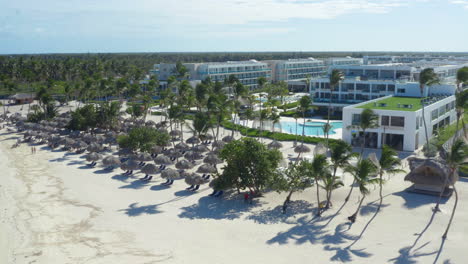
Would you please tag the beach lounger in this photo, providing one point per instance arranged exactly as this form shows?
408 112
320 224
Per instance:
218 194
196 188
190 188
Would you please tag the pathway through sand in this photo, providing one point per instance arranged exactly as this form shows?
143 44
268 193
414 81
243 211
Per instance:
52 226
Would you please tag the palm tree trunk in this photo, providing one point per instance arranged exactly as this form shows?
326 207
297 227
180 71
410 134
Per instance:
425 126
444 236
380 190
319 210
287 201
350 191
353 217
363 142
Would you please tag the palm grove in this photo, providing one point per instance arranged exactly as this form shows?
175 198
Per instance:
101 86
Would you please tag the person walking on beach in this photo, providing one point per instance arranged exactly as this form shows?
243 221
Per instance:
246 197
32 150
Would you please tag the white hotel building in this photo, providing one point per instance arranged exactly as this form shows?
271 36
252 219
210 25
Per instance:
368 82
246 71
401 129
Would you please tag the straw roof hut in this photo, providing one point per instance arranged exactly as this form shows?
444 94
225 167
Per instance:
200 148
131 164
144 157
218 144
156 150
182 146
191 155
430 176
194 179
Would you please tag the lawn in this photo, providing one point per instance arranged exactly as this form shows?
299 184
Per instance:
392 104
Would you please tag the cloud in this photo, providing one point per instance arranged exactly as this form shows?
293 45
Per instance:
464 3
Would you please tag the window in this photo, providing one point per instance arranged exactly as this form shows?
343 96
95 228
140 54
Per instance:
434 114
356 119
397 121
385 121
391 88
441 110
401 91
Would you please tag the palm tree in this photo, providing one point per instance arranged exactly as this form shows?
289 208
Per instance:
427 77
363 174
455 159
340 154
388 163
368 119
304 105
318 169
296 116
336 77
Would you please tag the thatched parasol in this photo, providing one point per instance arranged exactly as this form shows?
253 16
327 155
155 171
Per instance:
200 149
193 140
275 145
156 150
184 165
170 174
206 168
218 144
182 146
320 149
94 147
301 149
212 159
228 139
144 157
93 157
172 153
111 161
175 133
194 179
163 160
132 164
150 169
191 155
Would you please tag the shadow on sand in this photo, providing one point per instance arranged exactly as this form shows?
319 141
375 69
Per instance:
414 200
212 208
136 184
135 210
275 215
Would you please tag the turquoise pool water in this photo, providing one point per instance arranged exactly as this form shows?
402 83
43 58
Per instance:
311 128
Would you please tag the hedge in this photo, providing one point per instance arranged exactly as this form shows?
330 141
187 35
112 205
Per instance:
252 132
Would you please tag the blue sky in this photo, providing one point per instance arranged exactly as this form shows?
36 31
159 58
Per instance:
48 26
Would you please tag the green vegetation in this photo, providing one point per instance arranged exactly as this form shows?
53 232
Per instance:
392 104
103 115
143 139
249 165
447 132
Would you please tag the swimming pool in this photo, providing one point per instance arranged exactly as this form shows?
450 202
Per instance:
311 128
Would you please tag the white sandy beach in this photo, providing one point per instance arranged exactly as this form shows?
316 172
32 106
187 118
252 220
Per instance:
54 209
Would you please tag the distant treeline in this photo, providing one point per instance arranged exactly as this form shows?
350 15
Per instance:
19 71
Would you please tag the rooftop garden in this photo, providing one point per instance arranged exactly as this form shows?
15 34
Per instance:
395 103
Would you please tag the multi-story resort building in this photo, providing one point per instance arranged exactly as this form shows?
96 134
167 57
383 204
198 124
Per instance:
367 82
400 121
247 72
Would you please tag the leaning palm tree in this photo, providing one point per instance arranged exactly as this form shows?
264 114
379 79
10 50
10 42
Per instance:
340 154
363 174
336 77
388 163
455 159
427 78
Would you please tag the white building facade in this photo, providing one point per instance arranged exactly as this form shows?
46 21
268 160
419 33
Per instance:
402 130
